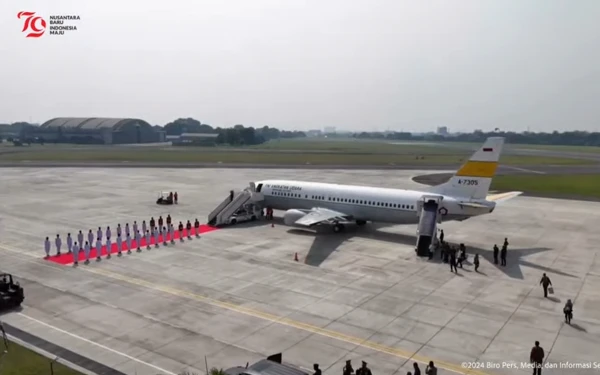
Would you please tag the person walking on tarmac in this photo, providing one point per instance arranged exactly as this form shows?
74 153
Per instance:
180 231
175 198
496 251
197 228
453 261
348 370
476 262
568 311
364 370
58 243
503 255
160 222
536 357
545 282
69 243
188 228
47 247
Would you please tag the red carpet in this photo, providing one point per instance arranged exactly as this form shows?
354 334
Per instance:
67 258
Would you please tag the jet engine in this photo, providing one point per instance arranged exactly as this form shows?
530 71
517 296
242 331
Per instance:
290 216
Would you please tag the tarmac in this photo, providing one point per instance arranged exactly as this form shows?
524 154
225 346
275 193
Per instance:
236 295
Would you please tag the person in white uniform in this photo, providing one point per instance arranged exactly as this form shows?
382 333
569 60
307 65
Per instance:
144 226
76 249
135 227
127 232
138 240
172 230
108 233
99 233
164 234
47 247
99 249
147 239
58 243
119 229
80 239
86 250
119 244
156 239
69 243
90 237
108 248
128 240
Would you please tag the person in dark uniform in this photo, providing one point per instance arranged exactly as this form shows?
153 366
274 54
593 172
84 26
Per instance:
545 282
496 251
348 370
176 198
453 260
197 227
476 262
152 223
180 231
168 221
442 236
188 228
417 370
537 358
505 244
364 370
160 222
317 369
431 369
568 311
503 256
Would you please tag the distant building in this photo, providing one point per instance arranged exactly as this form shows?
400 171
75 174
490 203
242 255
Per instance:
314 133
442 130
193 139
329 130
96 130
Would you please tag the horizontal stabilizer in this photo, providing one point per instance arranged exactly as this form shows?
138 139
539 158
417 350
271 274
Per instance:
473 205
503 197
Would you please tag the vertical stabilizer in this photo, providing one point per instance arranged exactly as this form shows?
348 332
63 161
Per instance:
472 181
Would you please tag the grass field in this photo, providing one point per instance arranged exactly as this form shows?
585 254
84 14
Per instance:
550 185
144 154
22 361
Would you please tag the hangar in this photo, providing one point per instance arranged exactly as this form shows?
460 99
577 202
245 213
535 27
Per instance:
98 130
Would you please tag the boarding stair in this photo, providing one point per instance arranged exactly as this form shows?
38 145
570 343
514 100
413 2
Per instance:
428 210
235 201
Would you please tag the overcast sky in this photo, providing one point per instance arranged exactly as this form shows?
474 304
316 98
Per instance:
304 64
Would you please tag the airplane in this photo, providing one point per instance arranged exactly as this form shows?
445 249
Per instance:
465 195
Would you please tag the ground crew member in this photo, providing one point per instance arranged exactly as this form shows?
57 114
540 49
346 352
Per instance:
442 236
147 239
127 232
417 370
568 311
99 233
545 281
197 228
175 197
172 232
536 357
317 369
160 222
86 250
80 239
119 229
364 370
476 262
58 243
144 226
188 228
108 248
99 249
90 238
180 231
431 369
47 247
168 221
164 234
138 240
69 243
152 223
119 244
128 240
496 251
503 256
348 370
76 249
156 239
135 227
108 233
453 260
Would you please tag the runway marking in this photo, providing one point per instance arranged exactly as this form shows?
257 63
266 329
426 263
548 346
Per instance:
397 352
523 169
96 344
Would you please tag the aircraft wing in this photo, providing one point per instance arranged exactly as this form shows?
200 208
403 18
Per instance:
503 197
320 215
